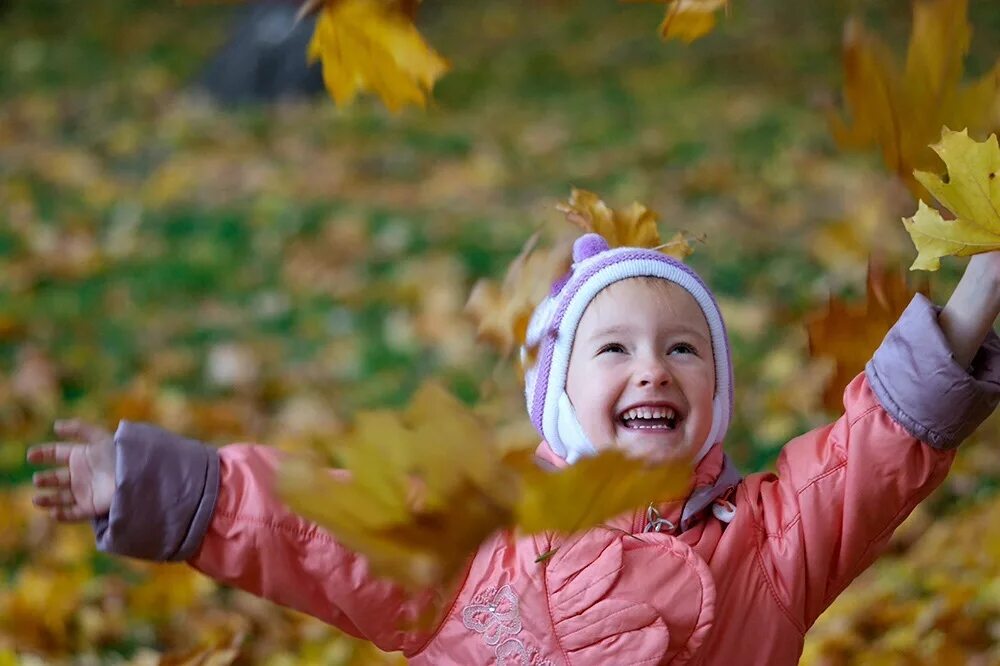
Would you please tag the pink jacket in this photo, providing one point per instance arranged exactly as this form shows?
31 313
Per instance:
707 592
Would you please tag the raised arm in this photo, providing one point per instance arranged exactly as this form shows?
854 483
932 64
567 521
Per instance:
842 490
973 307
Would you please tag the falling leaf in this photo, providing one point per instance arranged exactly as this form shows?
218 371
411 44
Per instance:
421 489
633 227
365 45
602 487
502 311
902 110
849 333
688 20
971 192
424 488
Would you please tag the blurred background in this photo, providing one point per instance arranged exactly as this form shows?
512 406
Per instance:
192 233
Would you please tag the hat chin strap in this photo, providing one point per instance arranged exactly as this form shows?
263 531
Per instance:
572 443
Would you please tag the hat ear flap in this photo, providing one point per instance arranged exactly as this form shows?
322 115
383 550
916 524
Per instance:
719 426
571 442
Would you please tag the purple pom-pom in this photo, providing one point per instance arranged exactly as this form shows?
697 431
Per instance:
587 245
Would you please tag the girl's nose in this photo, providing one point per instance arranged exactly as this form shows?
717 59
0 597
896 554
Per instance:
654 374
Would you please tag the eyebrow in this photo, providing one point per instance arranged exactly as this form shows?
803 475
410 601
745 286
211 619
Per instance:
619 329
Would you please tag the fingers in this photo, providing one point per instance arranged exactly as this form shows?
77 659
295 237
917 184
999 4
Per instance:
60 499
71 514
51 453
57 453
61 504
55 478
79 430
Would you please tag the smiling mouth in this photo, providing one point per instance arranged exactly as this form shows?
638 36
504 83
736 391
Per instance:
650 418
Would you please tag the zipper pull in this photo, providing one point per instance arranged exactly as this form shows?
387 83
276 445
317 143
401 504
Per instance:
656 522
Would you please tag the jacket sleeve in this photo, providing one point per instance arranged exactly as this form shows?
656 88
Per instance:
178 499
841 490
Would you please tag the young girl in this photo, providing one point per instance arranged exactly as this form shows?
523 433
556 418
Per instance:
631 352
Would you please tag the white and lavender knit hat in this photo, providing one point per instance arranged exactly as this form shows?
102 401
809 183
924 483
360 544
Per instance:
553 327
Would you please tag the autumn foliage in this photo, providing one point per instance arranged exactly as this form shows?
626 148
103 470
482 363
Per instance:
901 109
351 285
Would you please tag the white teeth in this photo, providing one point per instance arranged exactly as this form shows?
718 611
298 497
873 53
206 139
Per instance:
649 413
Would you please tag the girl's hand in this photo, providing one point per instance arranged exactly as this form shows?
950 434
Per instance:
81 485
973 307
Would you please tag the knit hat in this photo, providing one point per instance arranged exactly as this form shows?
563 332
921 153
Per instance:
553 325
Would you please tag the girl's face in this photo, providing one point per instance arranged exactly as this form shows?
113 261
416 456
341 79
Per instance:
641 373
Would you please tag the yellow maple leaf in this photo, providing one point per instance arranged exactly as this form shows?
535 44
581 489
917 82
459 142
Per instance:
971 193
634 227
688 20
422 488
370 45
849 333
502 310
901 110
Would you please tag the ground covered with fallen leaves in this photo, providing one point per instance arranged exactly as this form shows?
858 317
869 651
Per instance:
262 273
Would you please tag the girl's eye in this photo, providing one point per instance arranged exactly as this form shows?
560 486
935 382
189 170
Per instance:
683 348
612 347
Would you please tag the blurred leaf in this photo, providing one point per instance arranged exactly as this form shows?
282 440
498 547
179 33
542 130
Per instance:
367 45
421 489
502 311
602 487
37 604
971 192
36 381
849 333
902 110
220 651
688 20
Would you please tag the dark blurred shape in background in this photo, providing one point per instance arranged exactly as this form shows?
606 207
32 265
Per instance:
264 58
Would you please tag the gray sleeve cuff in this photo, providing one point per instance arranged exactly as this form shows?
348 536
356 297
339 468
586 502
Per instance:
916 379
165 491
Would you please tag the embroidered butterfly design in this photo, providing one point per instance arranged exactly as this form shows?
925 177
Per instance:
497 618
512 653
